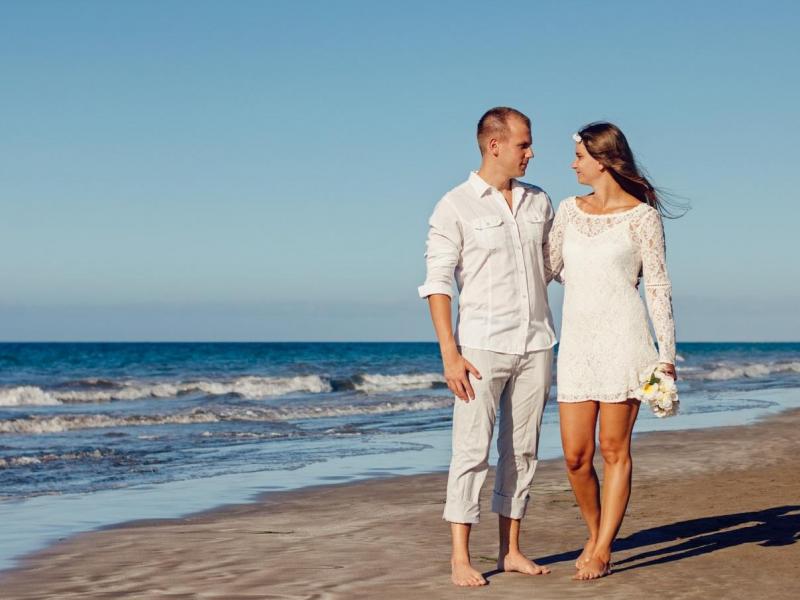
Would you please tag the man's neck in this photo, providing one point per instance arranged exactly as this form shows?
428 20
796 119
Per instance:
500 181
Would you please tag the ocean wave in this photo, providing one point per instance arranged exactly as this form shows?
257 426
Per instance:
26 395
753 370
245 435
371 384
26 461
36 424
251 388
56 424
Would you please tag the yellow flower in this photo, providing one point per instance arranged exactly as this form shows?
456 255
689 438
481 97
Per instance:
649 389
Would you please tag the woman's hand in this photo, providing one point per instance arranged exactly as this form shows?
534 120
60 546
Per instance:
668 369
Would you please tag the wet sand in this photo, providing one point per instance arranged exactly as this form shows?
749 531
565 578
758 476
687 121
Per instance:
714 514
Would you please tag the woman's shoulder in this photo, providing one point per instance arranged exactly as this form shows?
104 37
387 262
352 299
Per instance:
566 202
648 213
646 222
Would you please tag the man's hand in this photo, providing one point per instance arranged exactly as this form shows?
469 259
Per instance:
456 372
456 367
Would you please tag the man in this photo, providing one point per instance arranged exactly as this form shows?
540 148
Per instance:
487 233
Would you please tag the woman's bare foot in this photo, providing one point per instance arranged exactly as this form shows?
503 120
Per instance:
464 575
593 568
518 563
588 548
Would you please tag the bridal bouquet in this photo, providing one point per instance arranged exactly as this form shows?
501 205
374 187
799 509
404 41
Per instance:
660 392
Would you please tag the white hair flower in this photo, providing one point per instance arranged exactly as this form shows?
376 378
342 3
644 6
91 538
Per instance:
577 138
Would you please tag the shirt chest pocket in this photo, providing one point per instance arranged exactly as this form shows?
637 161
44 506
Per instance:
531 229
488 231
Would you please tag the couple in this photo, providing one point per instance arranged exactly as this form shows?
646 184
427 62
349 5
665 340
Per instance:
498 238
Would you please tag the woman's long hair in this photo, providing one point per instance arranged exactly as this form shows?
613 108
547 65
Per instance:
606 143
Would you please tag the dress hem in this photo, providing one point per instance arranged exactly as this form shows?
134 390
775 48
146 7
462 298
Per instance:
613 398
589 399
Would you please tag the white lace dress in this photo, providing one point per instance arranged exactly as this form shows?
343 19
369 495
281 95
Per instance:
606 350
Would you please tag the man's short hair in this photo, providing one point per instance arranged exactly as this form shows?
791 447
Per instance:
494 124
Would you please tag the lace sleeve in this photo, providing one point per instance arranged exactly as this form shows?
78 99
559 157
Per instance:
551 249
649 233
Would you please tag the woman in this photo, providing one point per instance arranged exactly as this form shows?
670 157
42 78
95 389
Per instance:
599 246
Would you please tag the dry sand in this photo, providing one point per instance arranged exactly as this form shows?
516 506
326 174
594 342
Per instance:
714 514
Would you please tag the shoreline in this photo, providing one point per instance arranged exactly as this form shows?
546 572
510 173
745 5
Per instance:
35 523
258 547
275 497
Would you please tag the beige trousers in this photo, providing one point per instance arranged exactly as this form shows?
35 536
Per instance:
519 387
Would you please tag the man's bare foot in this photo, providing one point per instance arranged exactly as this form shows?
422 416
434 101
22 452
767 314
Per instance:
464 575
593 568
517 562
588 548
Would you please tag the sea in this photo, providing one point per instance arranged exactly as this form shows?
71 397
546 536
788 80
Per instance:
94 434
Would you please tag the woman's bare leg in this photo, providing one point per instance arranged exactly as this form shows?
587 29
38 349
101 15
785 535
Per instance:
616 427
578 424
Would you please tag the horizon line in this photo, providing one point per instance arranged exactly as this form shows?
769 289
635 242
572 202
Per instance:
179 341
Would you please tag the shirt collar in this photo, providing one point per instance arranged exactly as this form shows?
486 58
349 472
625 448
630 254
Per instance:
481 187
478 184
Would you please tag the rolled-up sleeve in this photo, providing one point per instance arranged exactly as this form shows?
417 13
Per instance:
445 241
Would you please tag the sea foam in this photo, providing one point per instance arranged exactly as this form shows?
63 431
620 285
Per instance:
753 370
55 424
251 388
396 383
94 391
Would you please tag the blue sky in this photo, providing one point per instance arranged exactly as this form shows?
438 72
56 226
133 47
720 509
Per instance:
189 170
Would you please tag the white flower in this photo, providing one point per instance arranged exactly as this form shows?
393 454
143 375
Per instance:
669 411
577 138
666 385
660 392
664 402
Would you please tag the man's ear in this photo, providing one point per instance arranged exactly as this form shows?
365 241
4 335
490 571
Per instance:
494 147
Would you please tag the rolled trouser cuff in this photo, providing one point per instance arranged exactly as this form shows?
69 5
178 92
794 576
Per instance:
462 511
513 508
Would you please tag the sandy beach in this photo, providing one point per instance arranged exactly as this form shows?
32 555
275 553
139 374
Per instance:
715 514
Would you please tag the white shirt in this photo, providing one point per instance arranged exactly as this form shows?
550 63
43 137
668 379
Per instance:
495 255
